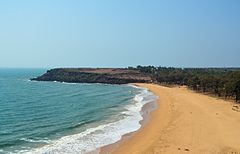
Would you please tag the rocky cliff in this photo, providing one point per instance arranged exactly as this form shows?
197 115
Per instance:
95 75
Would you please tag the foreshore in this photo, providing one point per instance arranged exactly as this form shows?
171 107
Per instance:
185 122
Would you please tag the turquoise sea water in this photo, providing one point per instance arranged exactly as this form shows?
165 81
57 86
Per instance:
53 117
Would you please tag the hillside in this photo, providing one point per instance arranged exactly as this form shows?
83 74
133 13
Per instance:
222 82
95 75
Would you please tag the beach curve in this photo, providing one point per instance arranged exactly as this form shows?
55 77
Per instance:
186 121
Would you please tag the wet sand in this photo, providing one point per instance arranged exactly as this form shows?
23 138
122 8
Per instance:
185 122
146 113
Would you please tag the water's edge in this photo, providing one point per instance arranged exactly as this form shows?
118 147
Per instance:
145 111
107 134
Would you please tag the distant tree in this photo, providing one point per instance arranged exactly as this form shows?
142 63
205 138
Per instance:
237 91
218 81
131 68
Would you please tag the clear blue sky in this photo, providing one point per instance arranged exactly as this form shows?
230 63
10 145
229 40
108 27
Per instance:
119 33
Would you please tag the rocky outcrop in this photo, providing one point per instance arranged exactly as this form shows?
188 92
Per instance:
95 75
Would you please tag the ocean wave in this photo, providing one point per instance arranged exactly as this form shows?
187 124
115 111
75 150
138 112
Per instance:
6 132
81 124
37 140
94 138
68 83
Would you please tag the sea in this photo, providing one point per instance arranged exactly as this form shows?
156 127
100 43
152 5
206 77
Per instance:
54 118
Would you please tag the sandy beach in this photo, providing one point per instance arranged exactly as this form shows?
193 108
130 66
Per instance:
186 122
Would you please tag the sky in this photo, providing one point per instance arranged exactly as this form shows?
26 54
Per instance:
119 33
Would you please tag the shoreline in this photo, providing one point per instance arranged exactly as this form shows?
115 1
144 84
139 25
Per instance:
145 103
146 114
185 122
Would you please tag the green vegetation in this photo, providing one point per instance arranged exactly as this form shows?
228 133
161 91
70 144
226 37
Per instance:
94 75
222 82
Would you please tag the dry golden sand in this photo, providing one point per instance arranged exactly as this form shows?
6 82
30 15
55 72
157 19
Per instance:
186 122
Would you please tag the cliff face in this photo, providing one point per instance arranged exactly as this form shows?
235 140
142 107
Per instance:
98 75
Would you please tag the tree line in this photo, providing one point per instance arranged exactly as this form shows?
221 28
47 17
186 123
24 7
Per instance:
222 82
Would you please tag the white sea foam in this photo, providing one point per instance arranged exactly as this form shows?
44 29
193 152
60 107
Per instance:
36 140
94 138
68 83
